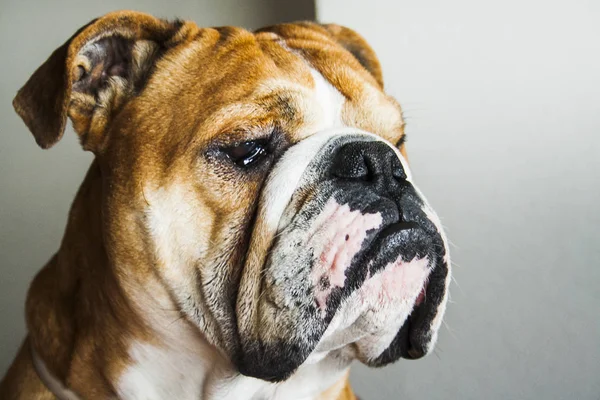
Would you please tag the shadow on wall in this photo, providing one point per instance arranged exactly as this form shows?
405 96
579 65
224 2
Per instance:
286 11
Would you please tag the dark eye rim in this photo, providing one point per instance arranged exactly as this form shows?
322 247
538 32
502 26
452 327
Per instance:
401 141
257 150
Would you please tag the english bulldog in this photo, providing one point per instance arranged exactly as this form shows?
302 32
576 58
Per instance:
248 228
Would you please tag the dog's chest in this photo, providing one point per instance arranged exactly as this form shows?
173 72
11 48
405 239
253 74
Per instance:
157 373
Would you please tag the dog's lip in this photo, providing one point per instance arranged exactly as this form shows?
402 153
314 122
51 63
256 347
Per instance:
416 339
411 341
414 336
422 295
416 333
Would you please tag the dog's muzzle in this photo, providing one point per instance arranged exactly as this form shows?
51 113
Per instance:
346 255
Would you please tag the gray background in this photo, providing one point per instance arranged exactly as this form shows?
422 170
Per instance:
502 101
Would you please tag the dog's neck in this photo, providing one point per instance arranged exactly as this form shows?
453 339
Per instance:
99 331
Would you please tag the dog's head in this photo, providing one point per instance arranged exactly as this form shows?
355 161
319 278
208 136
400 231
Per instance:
260 178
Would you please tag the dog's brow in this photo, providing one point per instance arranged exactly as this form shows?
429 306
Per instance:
281 103
285 104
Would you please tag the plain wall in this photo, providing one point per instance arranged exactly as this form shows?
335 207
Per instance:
502 102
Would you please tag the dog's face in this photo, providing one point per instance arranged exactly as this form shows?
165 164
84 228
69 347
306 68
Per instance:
260 178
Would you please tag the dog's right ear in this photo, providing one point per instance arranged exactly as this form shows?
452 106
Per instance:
92 76
358 47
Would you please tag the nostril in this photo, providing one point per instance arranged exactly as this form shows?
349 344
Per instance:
350 163
397 169
372 162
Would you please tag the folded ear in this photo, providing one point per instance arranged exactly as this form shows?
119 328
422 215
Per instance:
359 48
345 37
91 76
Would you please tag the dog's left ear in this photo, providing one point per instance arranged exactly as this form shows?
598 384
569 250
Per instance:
91 76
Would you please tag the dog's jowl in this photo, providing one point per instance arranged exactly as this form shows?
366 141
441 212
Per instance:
249 225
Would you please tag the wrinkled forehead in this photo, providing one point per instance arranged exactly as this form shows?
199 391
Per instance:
230 80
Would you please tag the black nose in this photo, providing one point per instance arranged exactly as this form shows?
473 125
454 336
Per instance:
370 162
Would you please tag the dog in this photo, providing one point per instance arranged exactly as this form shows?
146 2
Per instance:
249 225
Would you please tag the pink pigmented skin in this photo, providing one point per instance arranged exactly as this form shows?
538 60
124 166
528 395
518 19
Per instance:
337 234
398 281
422 295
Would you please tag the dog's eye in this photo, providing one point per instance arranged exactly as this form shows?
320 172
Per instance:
246 153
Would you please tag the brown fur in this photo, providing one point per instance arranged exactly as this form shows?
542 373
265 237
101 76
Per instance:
86 305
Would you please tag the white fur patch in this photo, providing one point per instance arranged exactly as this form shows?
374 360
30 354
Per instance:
330 101
161 373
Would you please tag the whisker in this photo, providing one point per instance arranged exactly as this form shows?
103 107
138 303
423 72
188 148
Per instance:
457 285
176 320
452 331
451 243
